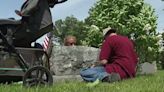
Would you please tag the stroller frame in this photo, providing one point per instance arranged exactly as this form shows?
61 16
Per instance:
35 74
37 71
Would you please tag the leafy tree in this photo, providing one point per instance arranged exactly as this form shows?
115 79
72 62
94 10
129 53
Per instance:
163 35
132 18
70 26
92 37
162 52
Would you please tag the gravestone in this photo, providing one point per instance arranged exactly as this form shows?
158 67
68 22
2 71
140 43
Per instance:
148 68
67 61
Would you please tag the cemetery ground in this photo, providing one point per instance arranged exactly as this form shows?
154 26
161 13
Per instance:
144 83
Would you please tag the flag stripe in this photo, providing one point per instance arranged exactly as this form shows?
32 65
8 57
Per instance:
46 42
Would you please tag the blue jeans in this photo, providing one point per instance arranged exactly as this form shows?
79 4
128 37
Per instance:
92 74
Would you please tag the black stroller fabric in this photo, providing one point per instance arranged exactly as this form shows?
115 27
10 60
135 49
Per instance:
36 21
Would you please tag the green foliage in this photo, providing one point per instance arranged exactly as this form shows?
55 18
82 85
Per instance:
70 26
132 18
162 60
92 36
163 36
162 52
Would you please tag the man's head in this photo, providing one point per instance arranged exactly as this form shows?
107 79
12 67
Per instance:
70 40
108 31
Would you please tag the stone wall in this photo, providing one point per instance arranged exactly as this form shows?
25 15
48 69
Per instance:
68 60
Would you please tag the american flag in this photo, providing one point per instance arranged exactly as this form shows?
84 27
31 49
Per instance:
46 42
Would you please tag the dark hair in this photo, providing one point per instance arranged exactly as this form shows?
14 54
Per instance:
112 30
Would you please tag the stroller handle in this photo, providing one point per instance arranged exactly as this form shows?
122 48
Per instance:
51 4
61 1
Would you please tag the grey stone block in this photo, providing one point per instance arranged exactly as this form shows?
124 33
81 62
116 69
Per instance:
148 68
68 60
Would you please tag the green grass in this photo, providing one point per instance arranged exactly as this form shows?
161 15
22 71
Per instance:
147 83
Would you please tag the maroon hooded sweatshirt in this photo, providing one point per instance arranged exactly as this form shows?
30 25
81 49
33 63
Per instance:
121 56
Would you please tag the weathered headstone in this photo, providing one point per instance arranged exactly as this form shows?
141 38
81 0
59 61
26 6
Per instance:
148 68
67 61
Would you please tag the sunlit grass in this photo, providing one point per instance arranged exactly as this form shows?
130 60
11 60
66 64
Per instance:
147 83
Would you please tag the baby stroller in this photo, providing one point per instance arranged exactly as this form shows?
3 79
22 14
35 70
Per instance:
18 60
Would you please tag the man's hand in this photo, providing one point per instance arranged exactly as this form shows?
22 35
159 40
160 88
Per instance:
93 65
99 63
96 64
104 62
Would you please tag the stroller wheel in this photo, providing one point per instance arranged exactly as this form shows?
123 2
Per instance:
37 76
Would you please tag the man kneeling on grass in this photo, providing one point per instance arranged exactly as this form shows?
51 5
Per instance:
118 59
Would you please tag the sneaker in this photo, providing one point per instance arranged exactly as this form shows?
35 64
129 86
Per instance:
113 77
93 84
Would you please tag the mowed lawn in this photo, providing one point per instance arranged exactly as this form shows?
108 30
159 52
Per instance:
146 83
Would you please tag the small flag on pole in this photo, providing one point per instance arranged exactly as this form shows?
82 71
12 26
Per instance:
46 42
